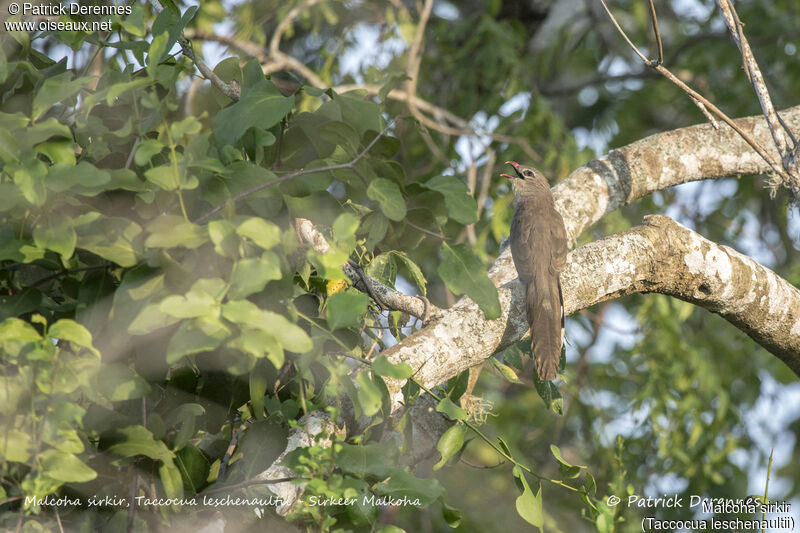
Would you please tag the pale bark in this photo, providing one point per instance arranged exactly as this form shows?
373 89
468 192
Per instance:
660 161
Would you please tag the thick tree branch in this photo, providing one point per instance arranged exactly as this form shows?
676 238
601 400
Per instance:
659 256
662 160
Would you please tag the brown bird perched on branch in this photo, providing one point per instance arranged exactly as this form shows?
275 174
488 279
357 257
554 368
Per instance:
539 248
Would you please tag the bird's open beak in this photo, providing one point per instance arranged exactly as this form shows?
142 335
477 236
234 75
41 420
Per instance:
506 176
516 169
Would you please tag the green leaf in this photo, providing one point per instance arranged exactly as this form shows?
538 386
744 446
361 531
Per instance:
383 367
387 195
344 230
252 275
223 235
460 204
118 89
60 238
463 273
416 274
452 411
403 483
71 331
457 386
138 440
529 505
56 89
375 461
260 231
16 446
567 470
194 467
170 231
451 515
29 176
362 114
506 371
259 343
157 51
291 336
549 394
58 151
20 302
83 178
65 467
191 338
188 126
258 388
345 309
370 396
147 149
150 318
170 178
118 383
259 446
184 418
383 268
242 312
109 237
16 334
171 479
263 106
450 443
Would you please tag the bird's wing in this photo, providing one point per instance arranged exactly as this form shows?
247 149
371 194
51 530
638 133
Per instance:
529 233
558 243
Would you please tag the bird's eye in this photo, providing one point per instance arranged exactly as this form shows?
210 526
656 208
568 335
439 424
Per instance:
528 173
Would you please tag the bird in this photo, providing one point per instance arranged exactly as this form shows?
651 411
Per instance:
539 249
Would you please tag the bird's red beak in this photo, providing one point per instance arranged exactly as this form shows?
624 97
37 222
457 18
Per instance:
516 169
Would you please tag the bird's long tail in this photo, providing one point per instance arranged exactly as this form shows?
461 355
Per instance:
545 309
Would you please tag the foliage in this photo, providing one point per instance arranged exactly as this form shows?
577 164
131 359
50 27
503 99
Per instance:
136 335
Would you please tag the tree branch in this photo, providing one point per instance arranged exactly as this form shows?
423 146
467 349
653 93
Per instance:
659 256
387 296
662 160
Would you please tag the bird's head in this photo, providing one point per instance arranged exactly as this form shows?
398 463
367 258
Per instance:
522 172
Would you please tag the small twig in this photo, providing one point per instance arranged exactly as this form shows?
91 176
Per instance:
70 271
426 231
132 500
486 180
58 520
292 175
657 33
133 151
250 483
223 465
231 90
